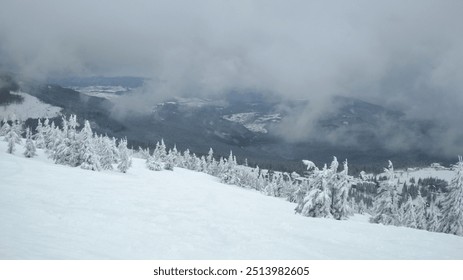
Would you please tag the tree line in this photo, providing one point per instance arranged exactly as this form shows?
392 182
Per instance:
328 192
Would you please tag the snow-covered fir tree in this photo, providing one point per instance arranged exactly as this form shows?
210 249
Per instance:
432 217
386 202
420 210
12 136
408 214
341 206
67 145
125 157
88 158
317 202
30 150
160 152
107 151
5 127
39 135
229 173
153 164
452 204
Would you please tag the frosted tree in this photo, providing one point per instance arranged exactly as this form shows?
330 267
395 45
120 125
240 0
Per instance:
5 127
317 202
125 157
420 211
229 174
67 144
386 202
153 164
341 207
39 135
107 151
12 138
433 217
452 204
160 151
30 150
87 154
408 214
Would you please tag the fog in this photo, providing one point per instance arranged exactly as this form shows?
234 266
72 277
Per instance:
406 55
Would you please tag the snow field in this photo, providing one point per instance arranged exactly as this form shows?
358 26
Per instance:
50 211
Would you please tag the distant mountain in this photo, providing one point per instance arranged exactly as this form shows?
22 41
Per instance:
246 123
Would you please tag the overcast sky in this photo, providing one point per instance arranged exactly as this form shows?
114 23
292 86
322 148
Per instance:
405 54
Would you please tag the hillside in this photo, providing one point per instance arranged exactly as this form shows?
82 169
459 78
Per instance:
50 211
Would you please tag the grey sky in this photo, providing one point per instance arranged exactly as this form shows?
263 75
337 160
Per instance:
406 54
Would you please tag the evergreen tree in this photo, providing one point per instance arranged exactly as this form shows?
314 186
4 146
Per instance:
107 151
341 207
432 217
40 135
160 151
452 204
30 146
409 214
317 202
88 158
420 210
125 158
12 137
386 202
153 164
5 127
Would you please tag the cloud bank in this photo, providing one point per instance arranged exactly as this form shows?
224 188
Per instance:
402 54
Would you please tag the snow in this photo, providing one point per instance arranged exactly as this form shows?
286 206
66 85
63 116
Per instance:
422 173
31 107
107 92
50 211
253 121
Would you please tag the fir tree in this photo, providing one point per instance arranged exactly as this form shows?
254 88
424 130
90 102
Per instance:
341 207
452 204
30 146
125 160
5 127
386 202
420 210
88 158
153 164
12 138
408 213
432 217
40 135
317 202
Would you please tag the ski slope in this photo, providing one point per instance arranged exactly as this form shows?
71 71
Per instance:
50 211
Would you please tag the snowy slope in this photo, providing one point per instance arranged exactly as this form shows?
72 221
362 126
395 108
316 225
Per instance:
107 92
50 211
31 107
428 172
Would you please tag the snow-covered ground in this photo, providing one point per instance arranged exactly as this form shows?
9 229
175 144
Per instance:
50 211
31 107
253 121
107 92
428 172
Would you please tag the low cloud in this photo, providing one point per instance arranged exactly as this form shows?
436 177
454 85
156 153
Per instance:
403 55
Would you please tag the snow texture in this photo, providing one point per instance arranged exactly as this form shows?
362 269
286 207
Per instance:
50 211
253 121
31 107
107 92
